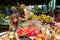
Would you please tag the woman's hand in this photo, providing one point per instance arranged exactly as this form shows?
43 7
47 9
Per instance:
16 36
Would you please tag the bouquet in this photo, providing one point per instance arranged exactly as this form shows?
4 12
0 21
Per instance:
29 31
43 18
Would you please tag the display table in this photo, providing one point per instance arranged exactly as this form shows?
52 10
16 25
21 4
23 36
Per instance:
5 37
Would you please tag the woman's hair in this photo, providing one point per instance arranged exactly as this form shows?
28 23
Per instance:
12 24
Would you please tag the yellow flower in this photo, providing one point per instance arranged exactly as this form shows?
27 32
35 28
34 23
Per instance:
41 20
47 19
52 20
33 16
43 16
38 17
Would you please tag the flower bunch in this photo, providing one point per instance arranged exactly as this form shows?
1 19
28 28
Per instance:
43 18
29 31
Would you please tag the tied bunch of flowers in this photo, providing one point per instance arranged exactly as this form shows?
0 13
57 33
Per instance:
47 18
35 17
43 18
29 31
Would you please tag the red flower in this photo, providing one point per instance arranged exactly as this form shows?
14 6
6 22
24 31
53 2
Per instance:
30 34
29 31
20 31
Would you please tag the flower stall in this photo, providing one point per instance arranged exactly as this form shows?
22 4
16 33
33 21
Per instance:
36 28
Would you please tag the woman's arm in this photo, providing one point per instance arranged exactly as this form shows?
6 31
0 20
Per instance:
17 38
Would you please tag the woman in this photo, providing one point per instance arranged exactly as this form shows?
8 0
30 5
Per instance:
14 22
14 25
